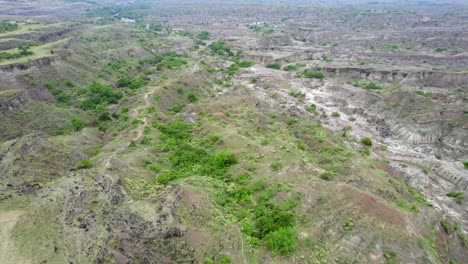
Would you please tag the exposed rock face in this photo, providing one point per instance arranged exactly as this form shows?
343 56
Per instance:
442 133
12 100
410 78
56 34
21 67
275 41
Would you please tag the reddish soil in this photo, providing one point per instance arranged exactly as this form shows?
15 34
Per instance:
372 207
442 242
385 167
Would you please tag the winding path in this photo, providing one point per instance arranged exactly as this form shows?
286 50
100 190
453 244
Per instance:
141 127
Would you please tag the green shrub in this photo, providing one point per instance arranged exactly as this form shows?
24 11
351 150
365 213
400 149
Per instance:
365 151
282 241
327 176
271 220
327 58
84 164
424 93
167 176
291 67
246 63
465 164
241 195
368 86
309 74
176 108
336 114
218 47
204 35
274 65
312 108
389 254
6 26
457 196
187 156
372 86
224 159
124 81
243 178
177 129
153 167
366 141
446 225
168 60
78 123
99 94
233 69
192 97
276 166
348 225
225 260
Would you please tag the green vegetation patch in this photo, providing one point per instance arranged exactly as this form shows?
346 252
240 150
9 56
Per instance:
6 26
274 65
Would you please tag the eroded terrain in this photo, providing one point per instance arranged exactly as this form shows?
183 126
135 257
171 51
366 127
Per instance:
247 132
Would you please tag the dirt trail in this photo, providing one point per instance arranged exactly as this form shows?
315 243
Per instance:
148 103
8 221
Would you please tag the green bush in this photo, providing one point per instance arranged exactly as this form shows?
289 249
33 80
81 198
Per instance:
372 86
291 67
336 114
457 196
282 241
276 166
187 156
465 164
366 141
204 35
60 95
175 133
271 220
327 176
241 195
78 123
124 81
99 94
167 176
312 108
233 69
84 164
168 60
218 47
224 159
177 108
446 225
309 74
192 97
274 65
6 26
424 93
327 58
153 167
246 63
